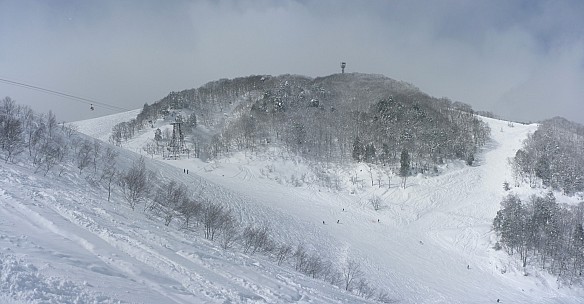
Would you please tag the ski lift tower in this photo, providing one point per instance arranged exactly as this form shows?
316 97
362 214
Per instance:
177 142
343 65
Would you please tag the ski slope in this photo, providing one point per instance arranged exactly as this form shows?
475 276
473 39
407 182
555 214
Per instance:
62 242
433 241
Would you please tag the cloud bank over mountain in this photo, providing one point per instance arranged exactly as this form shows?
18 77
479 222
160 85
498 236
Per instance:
520 59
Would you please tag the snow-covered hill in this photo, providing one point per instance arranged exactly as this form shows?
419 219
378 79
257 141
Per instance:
62 242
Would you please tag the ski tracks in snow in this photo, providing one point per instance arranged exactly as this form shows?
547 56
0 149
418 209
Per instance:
164 264
127 256
21 279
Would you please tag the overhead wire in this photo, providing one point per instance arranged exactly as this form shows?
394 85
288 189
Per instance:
66 95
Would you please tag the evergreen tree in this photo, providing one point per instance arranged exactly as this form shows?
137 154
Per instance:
369 155
542 170
158 136
470 159
404 161
578 249
192 121
358 150
299 139
404 169
385 155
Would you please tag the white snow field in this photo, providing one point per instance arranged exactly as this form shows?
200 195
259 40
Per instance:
61 241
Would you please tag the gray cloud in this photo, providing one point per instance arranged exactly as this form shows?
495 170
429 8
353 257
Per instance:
520 59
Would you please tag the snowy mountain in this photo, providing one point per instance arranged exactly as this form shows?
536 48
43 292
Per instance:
61 241
333 119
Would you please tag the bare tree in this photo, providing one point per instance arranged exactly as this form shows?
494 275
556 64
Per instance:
51 153
135 183
51 124
283 252
84 155
212 217
314 266
69 130
8 107
364 289
11 128
384 297
379 178
229 231
168 200
35 134
150 148
376 202
11 139
109 170
331 274
389 172
190 209
248 236
255 238
116 136
351 273
64 150
27 118
300 258
96 153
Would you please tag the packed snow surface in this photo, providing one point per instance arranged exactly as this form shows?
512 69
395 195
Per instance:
61 241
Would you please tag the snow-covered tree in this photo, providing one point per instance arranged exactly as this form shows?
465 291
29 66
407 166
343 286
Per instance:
135 182
369 155
109 169
351 274
168 200
84 155
358 150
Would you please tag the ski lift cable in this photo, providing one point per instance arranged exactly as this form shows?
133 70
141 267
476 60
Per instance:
69 96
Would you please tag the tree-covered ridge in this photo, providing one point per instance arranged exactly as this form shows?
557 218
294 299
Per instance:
322 118
543 233
553 156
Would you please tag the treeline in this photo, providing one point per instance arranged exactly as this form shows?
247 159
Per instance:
553 156
47 144
57 149
319 129
543 233
328 119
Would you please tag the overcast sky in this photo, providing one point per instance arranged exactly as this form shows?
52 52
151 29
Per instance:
519 59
